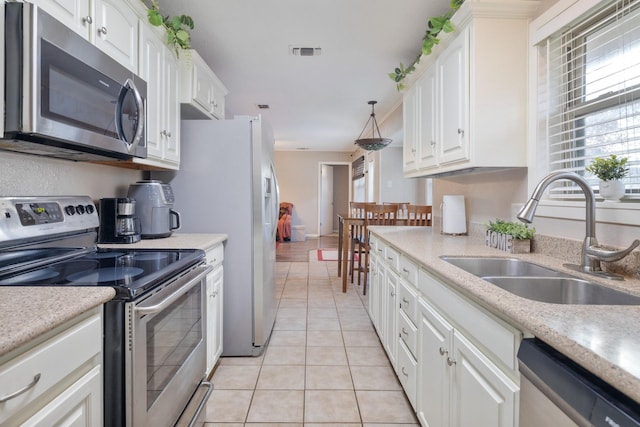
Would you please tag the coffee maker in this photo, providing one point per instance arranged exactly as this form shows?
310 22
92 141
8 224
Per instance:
118 223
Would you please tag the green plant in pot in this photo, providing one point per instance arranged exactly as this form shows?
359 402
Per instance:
610 170
514 237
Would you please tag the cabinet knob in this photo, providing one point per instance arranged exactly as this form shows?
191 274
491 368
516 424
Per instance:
393 294
460 132
450 361
87 20
433 143
404 331
413 150
102 30
404 300
404 372
167 134
443 351
405 270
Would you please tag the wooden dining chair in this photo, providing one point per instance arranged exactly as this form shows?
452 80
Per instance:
402 209
374 215
419 215
356 210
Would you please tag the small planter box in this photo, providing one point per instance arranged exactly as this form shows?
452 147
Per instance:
506 242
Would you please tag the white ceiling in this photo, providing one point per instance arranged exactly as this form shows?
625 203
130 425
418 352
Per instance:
319 102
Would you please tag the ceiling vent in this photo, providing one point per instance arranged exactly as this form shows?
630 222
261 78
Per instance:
263 106
304 51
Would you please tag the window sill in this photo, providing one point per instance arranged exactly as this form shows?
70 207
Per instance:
606 212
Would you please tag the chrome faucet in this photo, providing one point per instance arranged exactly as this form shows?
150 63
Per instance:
592 254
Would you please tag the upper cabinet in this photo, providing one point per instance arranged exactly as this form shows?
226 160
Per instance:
202 93
112 25
465 105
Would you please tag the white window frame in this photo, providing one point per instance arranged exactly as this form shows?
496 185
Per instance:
558 16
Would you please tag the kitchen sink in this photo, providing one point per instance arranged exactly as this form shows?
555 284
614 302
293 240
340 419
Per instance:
482 266
563 290
534 282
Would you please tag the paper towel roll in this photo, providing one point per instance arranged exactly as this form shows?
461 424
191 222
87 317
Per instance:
454 218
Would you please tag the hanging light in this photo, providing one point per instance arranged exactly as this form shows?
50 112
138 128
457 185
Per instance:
373 143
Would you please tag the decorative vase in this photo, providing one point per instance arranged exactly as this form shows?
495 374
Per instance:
612 191
506 242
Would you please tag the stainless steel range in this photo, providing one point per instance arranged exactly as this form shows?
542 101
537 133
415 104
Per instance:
154 349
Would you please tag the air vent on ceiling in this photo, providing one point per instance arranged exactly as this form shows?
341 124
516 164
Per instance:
263 106
304 51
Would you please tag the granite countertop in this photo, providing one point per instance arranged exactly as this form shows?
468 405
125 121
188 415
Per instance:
28 312
603 339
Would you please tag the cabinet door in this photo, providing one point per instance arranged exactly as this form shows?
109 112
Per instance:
410 105
151 68
377 292
79 405
214 294
434 375
453 93
75 14
116 32
171 116
427 142
390 317
202 85
482 395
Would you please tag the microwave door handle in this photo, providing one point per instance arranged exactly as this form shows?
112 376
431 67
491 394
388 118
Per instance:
129 85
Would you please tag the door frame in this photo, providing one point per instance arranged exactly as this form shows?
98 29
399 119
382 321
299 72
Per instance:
319 197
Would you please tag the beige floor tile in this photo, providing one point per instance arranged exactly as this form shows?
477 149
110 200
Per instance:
332 425
367 356
285 355
326 356
288 338
374 378
228 406
385 425
235 377
359 324
385 407
322 313
242 361
322 406
328 378
361 339
290 324
323 324
277 406
286 377
321 303
223 425
272 425
293 303
291 313
324 339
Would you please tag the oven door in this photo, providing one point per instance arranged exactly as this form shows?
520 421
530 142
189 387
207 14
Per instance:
166 358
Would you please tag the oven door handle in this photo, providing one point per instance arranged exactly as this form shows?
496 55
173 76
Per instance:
185 284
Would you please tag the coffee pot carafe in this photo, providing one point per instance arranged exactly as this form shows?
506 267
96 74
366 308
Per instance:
118 223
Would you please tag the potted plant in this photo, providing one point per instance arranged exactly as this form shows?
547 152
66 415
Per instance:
610 171
513 237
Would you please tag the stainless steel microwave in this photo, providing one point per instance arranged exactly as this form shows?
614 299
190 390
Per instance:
64 97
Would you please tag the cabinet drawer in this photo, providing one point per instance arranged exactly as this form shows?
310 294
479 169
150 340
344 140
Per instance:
53 361
215 255
374 244
409 270
408 300
407 372
483 328
392 257
408 333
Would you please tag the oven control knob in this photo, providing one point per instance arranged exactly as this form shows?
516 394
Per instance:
89 209
80 209
70 210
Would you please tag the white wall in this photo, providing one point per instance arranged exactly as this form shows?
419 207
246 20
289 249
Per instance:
25 175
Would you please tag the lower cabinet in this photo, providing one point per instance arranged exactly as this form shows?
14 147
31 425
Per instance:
214 306
57 382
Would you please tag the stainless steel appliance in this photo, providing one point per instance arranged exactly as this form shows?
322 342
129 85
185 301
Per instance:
118 223
64 97
227 184
155 201
556 391
150 373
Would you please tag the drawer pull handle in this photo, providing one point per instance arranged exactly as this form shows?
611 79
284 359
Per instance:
404 372
36 378
390 258
405 270
404 300
404 331
443 351
379 250
450 361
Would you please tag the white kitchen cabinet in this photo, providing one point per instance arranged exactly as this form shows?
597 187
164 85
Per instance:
214 306
465 105
112 25
159 68
202 93
62 378
390 316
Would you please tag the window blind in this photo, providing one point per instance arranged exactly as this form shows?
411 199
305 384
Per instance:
589 95
357 168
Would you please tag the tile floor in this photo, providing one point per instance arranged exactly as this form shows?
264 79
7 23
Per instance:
323 366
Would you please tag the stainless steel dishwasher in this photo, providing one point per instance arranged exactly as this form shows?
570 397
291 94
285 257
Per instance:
555 391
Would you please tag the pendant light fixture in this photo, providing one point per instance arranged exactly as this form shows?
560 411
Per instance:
373 143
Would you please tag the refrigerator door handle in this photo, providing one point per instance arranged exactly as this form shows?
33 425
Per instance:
276 205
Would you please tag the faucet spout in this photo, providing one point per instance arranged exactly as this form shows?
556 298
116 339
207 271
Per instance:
592 254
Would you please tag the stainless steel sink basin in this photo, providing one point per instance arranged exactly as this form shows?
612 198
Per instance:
534 282
482 266
563 290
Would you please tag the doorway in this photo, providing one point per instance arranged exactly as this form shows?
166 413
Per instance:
333 194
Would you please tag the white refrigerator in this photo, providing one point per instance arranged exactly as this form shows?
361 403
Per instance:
227 184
